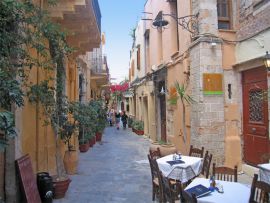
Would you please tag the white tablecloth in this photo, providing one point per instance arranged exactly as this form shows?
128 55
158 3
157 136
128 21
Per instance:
233 192
183 172
264 172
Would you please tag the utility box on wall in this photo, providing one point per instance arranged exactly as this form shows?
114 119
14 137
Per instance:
212 84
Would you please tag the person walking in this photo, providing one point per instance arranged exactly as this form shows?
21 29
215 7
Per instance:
117 119
124 118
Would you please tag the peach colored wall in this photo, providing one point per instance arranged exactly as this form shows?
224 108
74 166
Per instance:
228 49
162 44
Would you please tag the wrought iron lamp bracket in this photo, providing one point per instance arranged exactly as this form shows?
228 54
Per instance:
189 22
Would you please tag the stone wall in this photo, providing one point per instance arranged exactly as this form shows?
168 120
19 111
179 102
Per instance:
207 114
253 19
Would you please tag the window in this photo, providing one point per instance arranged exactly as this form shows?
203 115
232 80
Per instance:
223 11
138 57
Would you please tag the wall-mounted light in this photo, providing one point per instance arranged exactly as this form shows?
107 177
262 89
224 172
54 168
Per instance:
266 61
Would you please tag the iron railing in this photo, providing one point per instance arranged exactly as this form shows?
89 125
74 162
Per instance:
97 12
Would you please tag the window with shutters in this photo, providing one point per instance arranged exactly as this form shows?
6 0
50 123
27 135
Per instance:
223 11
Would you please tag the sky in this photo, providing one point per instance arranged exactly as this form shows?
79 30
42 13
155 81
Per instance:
118 19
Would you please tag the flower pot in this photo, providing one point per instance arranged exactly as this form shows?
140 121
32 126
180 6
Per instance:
139 132
165 149
84 147
71 161
133 130
98 136
60 187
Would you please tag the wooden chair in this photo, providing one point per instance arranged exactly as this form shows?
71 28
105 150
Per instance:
206 164
157 186
188 198
225 173
196 152
155 154
259 191
171 190
167 190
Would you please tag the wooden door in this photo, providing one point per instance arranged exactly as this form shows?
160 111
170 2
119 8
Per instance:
255 115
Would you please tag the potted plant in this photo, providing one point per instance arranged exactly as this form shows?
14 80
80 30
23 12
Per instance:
101 118
165 148
71 155
138 127
130 121
86 116
51 95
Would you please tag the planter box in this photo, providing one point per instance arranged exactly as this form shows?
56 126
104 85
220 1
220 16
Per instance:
165 149
138 132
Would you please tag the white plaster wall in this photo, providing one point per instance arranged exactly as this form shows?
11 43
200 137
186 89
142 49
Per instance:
254 47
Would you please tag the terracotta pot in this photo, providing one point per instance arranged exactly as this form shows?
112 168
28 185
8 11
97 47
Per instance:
71 161
94 140
60 187
98 136
133 130
84 147
139 132
165 149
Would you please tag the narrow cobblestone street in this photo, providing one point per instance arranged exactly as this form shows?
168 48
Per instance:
115 170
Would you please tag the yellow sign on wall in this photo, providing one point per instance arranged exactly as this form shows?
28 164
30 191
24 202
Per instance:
212 83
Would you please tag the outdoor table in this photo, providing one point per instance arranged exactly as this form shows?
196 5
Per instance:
264 172
183 171
233 192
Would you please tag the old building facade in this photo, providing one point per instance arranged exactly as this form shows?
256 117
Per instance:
214 50
84 80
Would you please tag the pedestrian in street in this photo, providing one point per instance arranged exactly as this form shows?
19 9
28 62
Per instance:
117 119
124 118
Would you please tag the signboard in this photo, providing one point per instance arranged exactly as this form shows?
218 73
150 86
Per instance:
212 84
27 179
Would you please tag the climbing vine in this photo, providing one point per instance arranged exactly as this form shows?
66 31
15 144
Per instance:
28 38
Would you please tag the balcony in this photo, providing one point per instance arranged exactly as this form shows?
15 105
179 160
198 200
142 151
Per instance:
97 12
82 19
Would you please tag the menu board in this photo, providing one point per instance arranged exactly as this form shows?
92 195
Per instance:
28 180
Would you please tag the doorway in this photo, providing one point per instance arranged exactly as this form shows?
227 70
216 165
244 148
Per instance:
162 102
255 115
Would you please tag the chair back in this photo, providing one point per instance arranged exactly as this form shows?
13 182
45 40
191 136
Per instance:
206 164
196 152
259 191
225 173
156 174
155 154
187 197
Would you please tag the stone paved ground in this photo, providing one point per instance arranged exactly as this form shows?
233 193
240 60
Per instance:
114 171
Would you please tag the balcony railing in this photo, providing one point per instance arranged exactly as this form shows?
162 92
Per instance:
96 9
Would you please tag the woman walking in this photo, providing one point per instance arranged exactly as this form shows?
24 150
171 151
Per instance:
117 119
124 119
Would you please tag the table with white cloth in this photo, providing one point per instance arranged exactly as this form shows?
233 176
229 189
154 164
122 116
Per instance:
264 172
184 171
234 192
